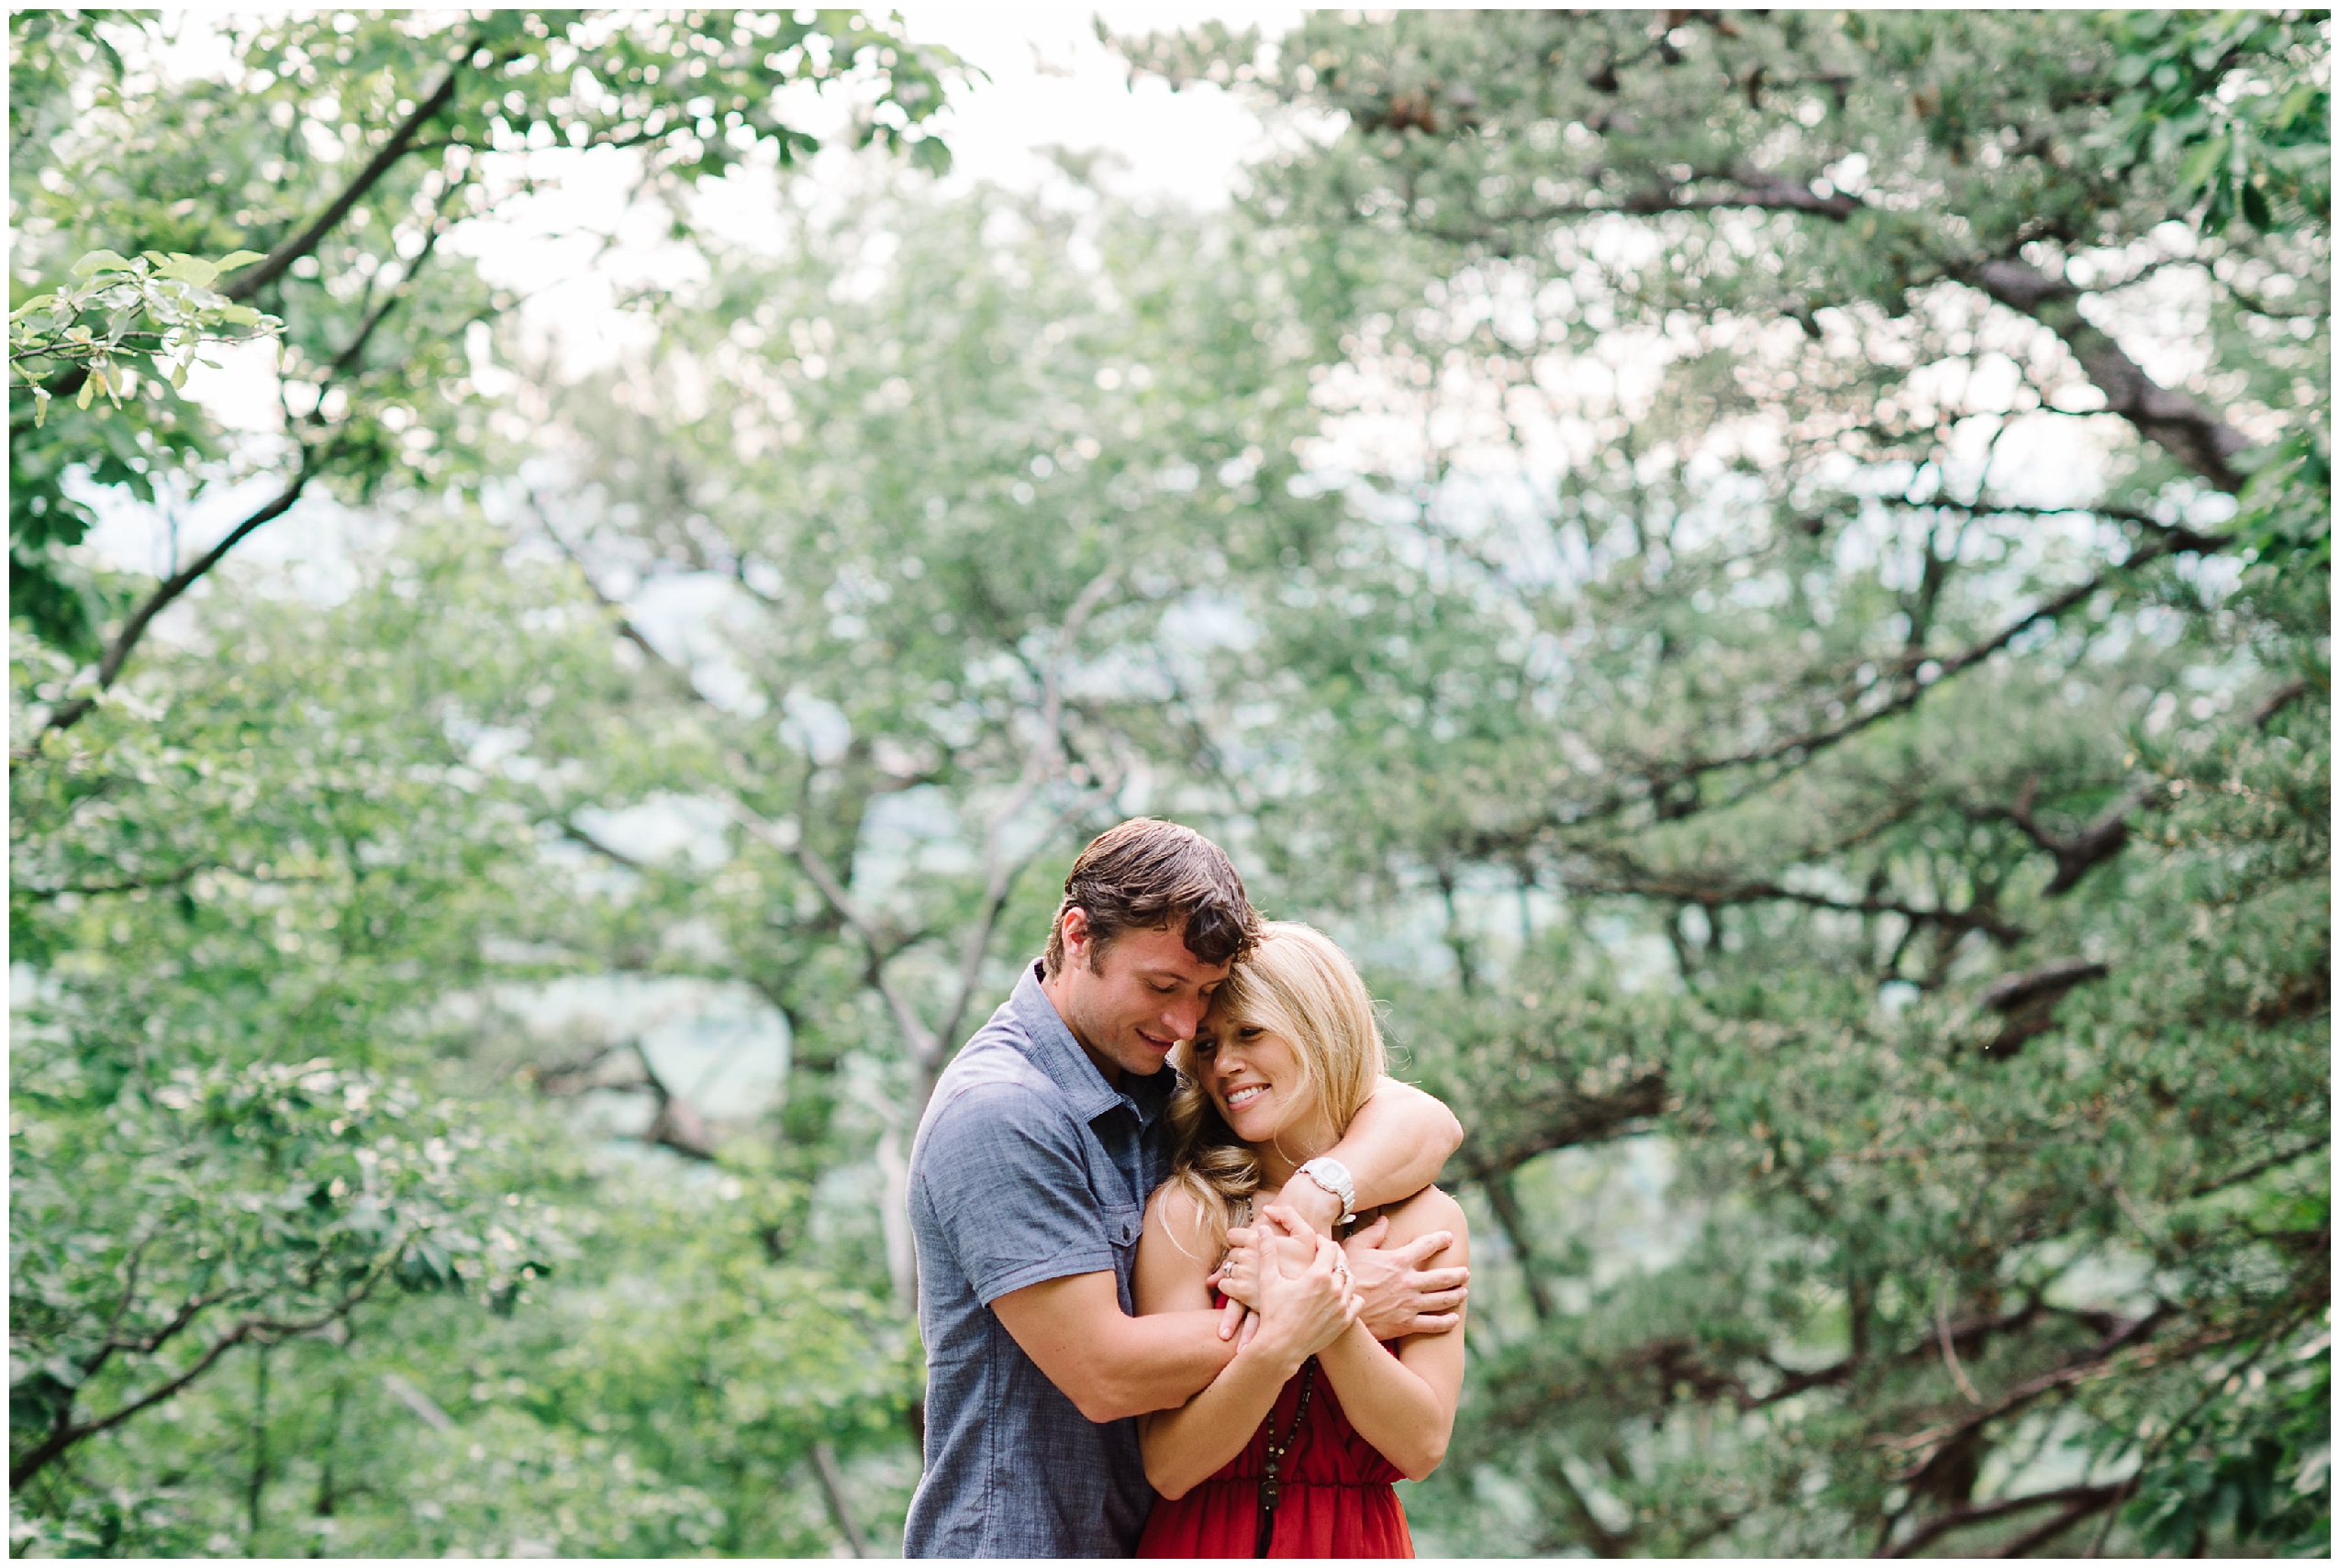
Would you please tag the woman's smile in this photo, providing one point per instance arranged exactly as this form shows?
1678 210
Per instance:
1254 1075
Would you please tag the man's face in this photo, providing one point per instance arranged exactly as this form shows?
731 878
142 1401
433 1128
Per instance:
1130 1004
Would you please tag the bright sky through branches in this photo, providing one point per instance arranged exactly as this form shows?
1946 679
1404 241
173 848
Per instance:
1046 82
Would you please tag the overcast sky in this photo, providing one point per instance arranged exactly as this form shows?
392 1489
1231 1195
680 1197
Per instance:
1052 83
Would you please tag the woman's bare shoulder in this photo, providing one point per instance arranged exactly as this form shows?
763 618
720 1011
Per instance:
1176 1214
1173 1203
1176 1253
1428 1210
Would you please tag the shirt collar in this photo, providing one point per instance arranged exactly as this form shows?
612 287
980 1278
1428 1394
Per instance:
1052 1048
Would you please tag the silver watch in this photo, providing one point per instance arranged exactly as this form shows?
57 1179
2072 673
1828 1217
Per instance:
1333 1177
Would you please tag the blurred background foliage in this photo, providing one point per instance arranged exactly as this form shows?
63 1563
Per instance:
1767 574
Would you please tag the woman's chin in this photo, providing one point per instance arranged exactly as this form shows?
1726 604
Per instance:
1256 1130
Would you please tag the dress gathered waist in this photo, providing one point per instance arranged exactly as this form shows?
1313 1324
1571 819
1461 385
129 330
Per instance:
1335 1498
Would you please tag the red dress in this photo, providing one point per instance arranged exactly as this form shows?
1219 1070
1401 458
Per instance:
1335 1500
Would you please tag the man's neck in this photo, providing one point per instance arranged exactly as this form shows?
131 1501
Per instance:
1053 987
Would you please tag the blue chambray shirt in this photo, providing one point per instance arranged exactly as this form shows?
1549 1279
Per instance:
1028 1166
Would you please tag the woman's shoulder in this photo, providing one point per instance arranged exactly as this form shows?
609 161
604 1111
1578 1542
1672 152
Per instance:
1177 1249
1427 1210
1173 1203
1177 1209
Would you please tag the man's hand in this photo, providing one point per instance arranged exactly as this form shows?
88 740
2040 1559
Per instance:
1397 1296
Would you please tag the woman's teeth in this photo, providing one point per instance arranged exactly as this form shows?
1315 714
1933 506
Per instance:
1245 1094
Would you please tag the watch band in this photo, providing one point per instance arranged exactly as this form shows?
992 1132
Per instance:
1333 1177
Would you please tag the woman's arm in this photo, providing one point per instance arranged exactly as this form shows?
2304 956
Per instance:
1299 1313
1404 1404
1395 1146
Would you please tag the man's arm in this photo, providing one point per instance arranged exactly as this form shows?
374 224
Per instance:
1106 1362
1001 1177
1395 1296
1395 1145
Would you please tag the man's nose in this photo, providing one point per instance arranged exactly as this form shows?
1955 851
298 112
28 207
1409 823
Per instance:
1184 1019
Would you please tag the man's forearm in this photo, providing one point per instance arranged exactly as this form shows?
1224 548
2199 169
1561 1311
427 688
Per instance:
1160 1362
1395 1145
1106 1362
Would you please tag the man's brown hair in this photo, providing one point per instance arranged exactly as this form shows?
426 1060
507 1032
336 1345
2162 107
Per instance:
1151 875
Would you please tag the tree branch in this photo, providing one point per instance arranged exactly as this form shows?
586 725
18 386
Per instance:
129 885
2276 701
2190 432
576 835
2260 1167
2091 1363
1561 1120
1505 1201
1711 895
1907 689
66 1436
1604 1541
832 1489
678 1125
273 266
349 355
2027 1001
118 652
1040 764
789 839
2030 1541
2078 854
2185 428
626 627
1933 1529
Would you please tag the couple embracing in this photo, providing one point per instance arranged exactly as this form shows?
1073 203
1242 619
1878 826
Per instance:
1230 1284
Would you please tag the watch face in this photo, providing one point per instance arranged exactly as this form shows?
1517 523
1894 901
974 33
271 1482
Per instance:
1333 1177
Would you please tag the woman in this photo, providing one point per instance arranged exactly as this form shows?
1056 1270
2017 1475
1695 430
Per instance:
1290 1452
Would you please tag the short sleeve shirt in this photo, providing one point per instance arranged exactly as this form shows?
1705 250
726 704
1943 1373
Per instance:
1028 1166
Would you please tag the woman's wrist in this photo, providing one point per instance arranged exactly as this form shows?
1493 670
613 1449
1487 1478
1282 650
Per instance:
1273 1355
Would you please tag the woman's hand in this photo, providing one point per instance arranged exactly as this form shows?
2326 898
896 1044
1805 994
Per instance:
1303 1305
1237 1279
1237 1276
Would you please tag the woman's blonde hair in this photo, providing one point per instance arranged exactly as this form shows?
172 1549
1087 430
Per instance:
1296 983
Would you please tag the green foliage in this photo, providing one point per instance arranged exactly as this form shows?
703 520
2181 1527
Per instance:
2256 1476
1582 533
342 147
154 306
2285 522
1957 848
2240 101
224 1206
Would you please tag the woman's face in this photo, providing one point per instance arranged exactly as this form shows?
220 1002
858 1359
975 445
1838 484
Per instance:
1253 1076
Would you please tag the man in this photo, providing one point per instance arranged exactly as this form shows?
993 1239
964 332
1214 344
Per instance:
1028 1188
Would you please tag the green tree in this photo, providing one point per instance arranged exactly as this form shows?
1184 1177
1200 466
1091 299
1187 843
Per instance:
1924 838
949 520
246 1140
231 1137
340 149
